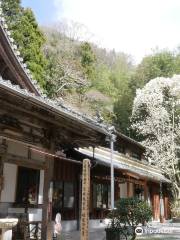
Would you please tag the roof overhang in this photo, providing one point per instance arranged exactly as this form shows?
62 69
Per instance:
130 140
94 132
13 60
142 169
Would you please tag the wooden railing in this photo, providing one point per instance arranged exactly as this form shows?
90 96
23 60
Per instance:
27 230
34 230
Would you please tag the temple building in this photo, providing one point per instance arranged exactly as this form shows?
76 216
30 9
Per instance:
42 146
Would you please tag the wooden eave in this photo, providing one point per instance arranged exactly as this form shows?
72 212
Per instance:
76 131
14 65
125 164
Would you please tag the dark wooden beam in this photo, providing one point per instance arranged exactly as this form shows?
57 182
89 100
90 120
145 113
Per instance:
24 162
68 133
60 122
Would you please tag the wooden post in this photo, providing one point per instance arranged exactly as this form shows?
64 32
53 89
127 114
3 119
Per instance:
1 174
145 191
166 207
85 200
47 179
155 203
3 150
79 201
128 190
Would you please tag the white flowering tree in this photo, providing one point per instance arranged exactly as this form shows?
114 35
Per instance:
155 118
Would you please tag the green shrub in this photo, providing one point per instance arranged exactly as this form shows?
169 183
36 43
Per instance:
130 212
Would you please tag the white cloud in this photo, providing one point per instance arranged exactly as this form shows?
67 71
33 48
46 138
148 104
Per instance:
133 26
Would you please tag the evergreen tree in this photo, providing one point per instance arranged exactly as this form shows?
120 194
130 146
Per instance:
159 64
27 36
122 110
88 59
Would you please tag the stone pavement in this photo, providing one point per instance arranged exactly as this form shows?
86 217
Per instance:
94 234
171 230
100 235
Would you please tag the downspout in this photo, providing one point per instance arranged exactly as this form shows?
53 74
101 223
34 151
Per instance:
112 140
161 204
112 172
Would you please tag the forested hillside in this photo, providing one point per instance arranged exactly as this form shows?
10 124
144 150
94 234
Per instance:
98 81
93 80
90 78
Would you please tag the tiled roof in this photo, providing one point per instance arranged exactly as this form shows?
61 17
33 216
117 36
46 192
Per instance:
57 106
143 169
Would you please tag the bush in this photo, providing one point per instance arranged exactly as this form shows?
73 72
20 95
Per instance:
130 212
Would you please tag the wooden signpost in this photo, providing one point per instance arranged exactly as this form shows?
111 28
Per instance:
85 200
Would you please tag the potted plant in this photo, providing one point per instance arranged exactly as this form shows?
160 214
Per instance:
130 213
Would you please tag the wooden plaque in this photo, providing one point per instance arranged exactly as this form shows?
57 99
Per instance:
85 200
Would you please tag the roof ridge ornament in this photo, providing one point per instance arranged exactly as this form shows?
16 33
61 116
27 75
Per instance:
17 53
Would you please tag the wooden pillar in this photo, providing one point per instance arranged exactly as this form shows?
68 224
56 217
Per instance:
79 201
47 179
166 208
128 190
156 203
145 191
1 174
117 191
3 150
85 200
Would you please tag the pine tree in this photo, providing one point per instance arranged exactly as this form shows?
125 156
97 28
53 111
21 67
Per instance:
28 37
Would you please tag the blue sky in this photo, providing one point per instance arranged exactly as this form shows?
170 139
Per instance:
44 10
132 26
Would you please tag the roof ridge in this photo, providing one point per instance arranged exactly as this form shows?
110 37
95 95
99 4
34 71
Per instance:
17 52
